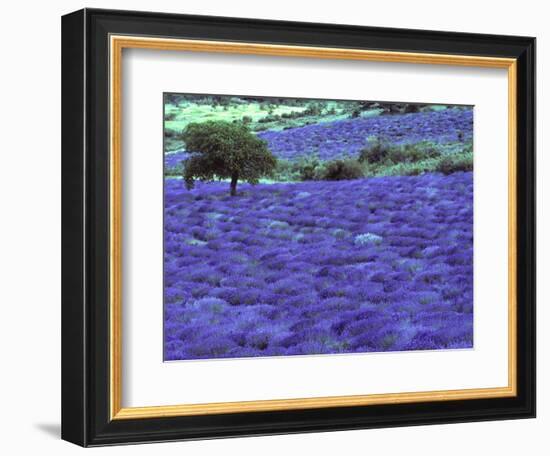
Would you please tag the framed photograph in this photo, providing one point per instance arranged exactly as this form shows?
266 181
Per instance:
279 227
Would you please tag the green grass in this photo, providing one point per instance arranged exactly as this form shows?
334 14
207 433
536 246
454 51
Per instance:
184 114
178 117
260 116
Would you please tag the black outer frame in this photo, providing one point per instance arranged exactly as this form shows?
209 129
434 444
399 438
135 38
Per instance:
85 227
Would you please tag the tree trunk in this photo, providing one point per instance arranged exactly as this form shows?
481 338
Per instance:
234 179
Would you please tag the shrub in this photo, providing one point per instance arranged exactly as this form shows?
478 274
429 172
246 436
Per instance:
420 151
379 152
284 171
375 152
304 169
408 169
343 170
456 162
309 168
270 118
314 109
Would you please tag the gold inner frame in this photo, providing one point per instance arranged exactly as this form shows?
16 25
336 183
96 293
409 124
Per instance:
117 44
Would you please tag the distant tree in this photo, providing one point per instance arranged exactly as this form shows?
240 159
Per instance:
171 98
412 108
225 150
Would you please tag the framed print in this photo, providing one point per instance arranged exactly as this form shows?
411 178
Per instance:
277 227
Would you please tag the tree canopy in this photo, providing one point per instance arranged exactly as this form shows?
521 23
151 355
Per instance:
225 150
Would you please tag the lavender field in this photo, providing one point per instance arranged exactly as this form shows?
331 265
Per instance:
358 263
347 137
